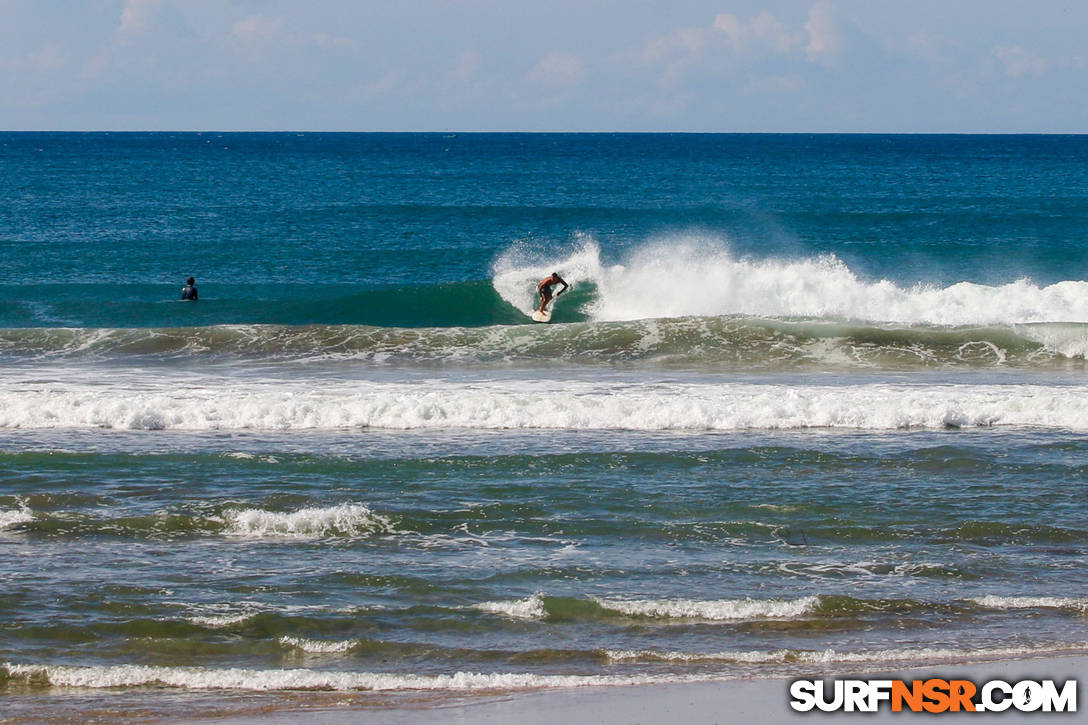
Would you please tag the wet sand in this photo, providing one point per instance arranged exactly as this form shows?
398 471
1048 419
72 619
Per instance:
752 702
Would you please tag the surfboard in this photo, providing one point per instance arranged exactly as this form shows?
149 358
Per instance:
539 316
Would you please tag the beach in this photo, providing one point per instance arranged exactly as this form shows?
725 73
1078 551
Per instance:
748 701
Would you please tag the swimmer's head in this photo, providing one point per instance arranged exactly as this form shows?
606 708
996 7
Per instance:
190 281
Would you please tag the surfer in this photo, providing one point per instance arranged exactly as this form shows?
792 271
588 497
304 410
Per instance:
545 289
188 292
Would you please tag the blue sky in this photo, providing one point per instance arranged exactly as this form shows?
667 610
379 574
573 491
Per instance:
562 65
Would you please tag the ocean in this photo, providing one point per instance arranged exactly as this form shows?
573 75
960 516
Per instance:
813 403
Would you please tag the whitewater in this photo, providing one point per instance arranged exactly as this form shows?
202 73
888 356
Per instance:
681 301
199 403
811 405
688 275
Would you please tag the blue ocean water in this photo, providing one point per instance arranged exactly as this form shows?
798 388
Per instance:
813 403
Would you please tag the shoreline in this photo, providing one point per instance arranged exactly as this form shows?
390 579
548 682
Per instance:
752 701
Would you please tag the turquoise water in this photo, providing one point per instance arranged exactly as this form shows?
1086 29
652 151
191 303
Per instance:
813 403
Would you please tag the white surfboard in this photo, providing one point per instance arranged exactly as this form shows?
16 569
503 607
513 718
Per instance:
539 316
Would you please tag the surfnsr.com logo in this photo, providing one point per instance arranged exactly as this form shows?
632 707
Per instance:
933 695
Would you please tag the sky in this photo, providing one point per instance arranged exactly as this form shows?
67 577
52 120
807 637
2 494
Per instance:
973 66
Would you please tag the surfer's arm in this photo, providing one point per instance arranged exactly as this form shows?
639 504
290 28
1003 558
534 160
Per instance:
565 288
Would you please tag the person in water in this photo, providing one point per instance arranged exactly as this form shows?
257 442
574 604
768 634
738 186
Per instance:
188 292
545 289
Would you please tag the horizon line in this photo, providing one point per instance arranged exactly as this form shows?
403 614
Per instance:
566 132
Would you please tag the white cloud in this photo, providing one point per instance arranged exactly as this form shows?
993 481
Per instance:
392 83
325 40
256 28
928 47
135 16
687 41
824 43
96 64
761 33
466 67
792 83
1019 63
558 69
465 83
46 60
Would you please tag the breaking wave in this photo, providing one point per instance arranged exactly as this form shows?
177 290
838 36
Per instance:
344 521
530 608
11 519
347 520
680 301
730 342
313 646
119 676
241 679
833 657
541 607
274 405
716 610
726 611
998 602
686 276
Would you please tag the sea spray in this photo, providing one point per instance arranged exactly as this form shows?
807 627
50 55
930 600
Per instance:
695 276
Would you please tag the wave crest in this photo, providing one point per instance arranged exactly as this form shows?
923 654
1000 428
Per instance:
530 608
348 520
686 275
11 519
998 602
119 676
538 607
314 646
537 405
712 610
731 341
833 657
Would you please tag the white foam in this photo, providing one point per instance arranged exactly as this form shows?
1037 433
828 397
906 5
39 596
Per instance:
305 679
667 656
928 654
529 608
315 646
10 519
349 520
690 275
197 678
997 602
715 609
516 279
221 620
234 404
1068 339
832 657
